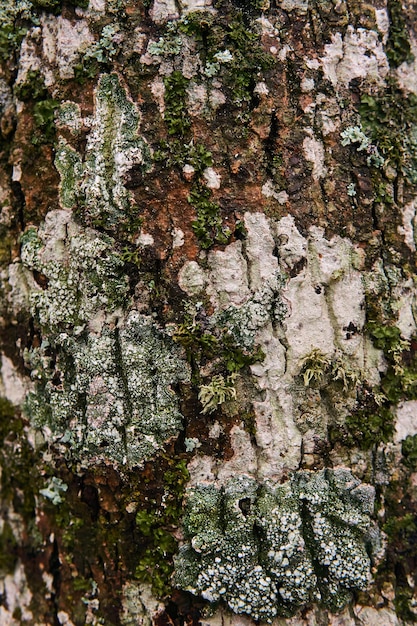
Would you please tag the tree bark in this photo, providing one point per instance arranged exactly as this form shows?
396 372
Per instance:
208 312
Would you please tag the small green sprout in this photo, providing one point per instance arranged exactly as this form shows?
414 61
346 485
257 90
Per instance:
314 366
317 367
218 391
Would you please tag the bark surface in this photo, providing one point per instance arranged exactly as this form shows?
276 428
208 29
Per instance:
208 390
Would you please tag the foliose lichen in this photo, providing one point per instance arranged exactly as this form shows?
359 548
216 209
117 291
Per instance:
79 270
267 550
108 396
244 321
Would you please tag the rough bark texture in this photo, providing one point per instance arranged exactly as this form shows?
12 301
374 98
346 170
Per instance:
208 385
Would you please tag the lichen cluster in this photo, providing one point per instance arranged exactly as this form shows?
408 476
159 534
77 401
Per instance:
244 321
266 550
108 396
96 184
79 272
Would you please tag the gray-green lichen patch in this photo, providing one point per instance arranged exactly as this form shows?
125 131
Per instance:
244 321
108 396
104 379
78 269
96 183
268 549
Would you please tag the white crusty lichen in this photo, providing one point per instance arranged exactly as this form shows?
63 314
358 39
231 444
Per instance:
269 549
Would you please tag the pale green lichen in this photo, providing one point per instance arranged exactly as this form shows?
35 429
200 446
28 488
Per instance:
54 490
244 321
108 396
320 370
218 391
69 165
267 550
354 135
113 148
68 115
82 272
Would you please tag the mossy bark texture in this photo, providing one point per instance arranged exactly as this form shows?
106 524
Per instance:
208 312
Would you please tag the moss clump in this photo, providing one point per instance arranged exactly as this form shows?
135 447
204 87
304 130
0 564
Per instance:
176 117
368 427
401 557
389 118
208 226
44 118
234 36
32 88
320 370
14 17
399 382
156 527
8 550
398 47
409 452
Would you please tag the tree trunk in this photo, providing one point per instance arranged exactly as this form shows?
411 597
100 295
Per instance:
208 312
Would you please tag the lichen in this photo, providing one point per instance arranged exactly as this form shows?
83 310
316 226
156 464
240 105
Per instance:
95 185
216 392
81 272
266 550
54 489
243 322
108 396
319 369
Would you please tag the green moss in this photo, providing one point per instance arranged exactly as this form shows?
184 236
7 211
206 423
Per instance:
8 550
176 153
9 424
156 527
389 118
409 452
12 27
398 47
401 531
33 88
399 382
176 115
44 117
208 226
235 34
203 343
367 428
